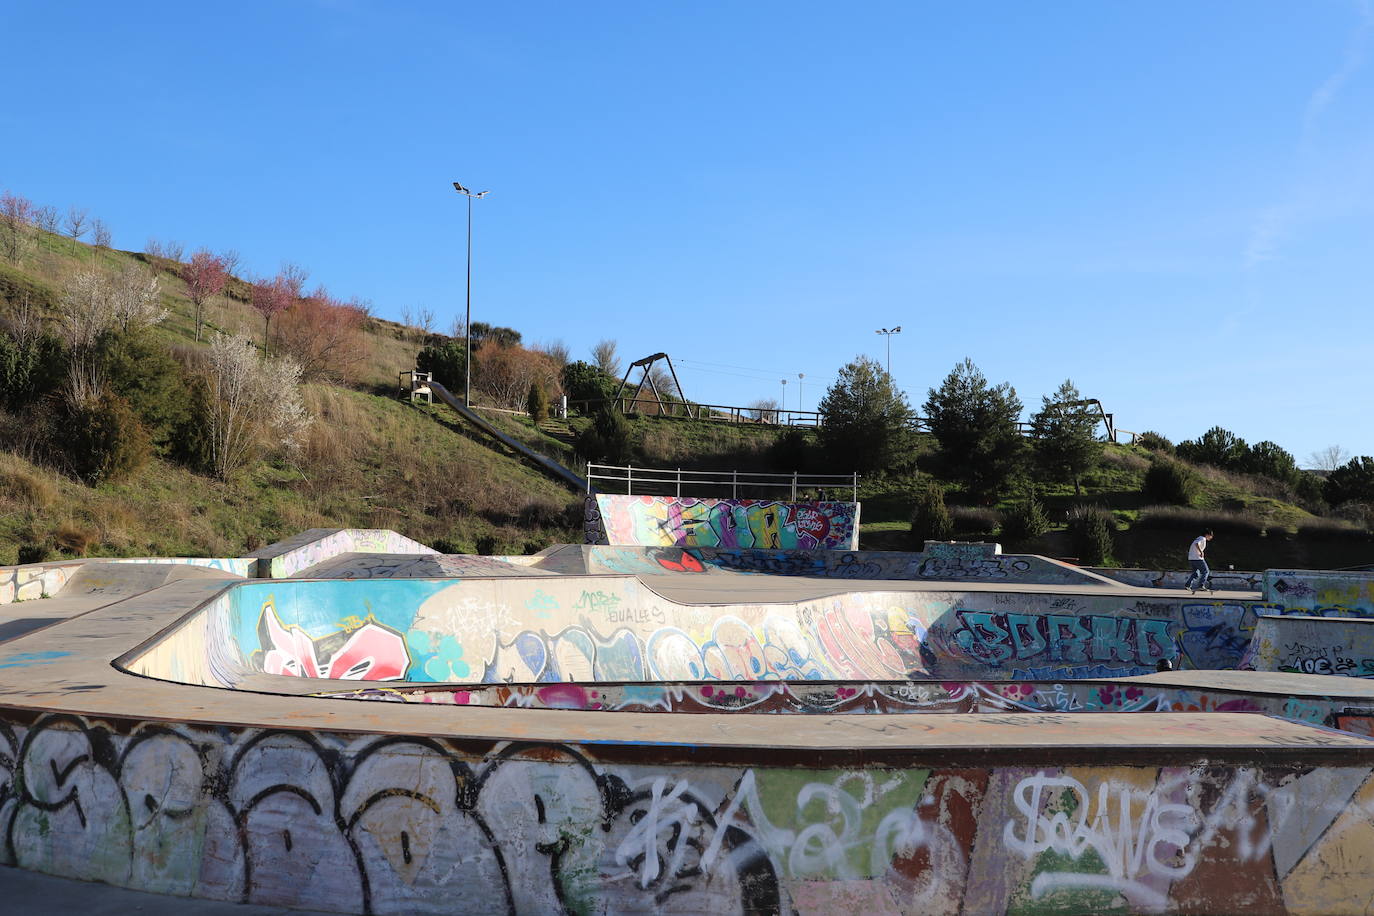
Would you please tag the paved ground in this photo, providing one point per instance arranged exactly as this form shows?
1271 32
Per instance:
25 892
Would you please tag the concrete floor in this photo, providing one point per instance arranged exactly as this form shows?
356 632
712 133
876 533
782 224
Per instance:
26 892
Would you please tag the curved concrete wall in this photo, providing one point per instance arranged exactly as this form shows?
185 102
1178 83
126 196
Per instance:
944 563
361 823
609 628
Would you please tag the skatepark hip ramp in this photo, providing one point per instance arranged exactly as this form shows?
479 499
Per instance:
374 728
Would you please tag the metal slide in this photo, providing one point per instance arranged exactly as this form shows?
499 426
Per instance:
547 463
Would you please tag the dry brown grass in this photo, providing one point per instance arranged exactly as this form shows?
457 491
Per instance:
74 536
23 485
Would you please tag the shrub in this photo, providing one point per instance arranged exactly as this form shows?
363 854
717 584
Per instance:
537 403
1026 521
446 361
104 439
791 451
325 337
143 372
584 382
1352 480
930 519
1169 482
28 368
968 520
33 553
608 438
1155 442
1330 529
1173 518
1090 534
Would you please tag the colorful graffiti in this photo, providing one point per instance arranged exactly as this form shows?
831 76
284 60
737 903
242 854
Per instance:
1341 646
664 521
398 824
1316 590
541 629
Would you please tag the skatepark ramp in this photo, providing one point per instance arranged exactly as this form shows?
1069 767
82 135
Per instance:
481 735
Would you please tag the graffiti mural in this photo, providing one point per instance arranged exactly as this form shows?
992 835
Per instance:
664 521
540 629
398 824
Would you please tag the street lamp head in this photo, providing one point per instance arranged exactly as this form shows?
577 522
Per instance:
457 186
897 329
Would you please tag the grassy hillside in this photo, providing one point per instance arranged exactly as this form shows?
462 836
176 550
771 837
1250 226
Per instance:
370 460
367 461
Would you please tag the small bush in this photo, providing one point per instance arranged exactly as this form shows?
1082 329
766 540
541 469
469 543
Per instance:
930 519
145 374
447 362
791 451
1170 483
1173 518
608 438
1026 521
486 545
33 553
974 520
74 538
28 368
1155 442
1090 534
537 403
104 440
1330 529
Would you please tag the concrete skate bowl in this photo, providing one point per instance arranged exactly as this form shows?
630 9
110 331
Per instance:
205 763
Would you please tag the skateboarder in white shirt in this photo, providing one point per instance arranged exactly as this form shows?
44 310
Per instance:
1197 559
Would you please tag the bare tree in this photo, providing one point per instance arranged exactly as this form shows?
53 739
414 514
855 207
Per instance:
100 234
407 317
85 312
426 320
294 276
16 215
459 329
557 351
1329 458
230 259
46 218
174 251
24 324
153 248
76 224
764 410
604 356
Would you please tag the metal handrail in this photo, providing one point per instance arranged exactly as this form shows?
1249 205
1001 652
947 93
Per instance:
677 477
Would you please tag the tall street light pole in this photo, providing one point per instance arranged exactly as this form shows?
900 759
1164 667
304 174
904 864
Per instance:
801 381
467 325
888 332
783 405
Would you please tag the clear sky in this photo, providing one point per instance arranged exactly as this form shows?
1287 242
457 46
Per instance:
1169 201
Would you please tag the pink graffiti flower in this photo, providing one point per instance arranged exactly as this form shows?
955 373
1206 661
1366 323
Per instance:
371 653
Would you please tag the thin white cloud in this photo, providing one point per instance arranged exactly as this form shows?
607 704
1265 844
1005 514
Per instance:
1274 224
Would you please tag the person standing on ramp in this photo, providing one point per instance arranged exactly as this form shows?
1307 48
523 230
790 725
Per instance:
1197 558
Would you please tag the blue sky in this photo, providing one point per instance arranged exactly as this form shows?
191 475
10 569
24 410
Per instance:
1171 203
